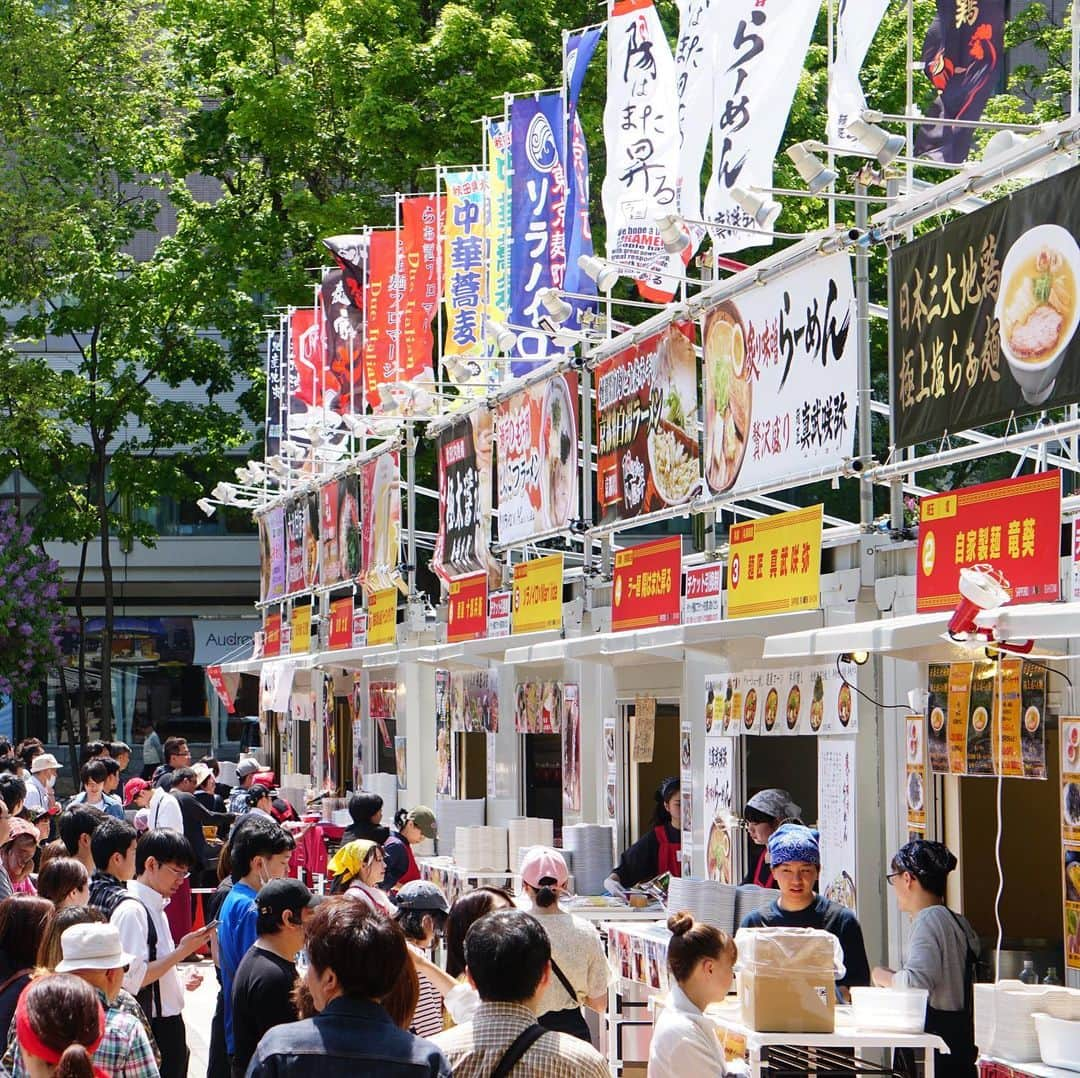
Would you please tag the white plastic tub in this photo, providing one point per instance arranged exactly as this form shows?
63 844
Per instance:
1059 1041
894 1010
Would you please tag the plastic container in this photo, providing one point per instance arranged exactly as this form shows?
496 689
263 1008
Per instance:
1059 1041
895 1010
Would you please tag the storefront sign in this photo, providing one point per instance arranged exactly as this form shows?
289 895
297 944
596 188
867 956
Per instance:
1070 834
646 434
571 749
499 605
467 612
300 623
537 463
1013 525
220 639
836 820
272 637
341 624
984 314
537 594
915 781
380 510
779 373
538 707
382 617
775 564
704 585
464 450
645 591
359 628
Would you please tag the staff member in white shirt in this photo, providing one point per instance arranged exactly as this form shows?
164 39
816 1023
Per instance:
164 811
40 782
162 862
700 960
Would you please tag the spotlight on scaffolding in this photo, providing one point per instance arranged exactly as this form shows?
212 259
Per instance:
500 335
761 208
557 308
606 274
675 239
884 145
814 172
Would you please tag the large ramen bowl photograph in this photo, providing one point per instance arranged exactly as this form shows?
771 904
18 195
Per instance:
1037 308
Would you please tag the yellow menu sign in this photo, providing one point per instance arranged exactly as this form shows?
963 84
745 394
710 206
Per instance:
301 629
537 595
382 617
774 564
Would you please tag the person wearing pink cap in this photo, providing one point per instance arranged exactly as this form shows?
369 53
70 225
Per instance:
580 972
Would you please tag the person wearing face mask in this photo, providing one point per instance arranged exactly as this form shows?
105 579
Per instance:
658 849
358 869
41 781
764 813
260 853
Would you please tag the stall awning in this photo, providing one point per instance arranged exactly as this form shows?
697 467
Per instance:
908 633
253 666
1033 621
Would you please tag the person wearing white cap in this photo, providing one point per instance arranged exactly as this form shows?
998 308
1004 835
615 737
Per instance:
580 972
40 782
93 952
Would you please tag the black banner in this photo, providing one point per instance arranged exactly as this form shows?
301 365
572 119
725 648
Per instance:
962 58
275 389
983 314
465 461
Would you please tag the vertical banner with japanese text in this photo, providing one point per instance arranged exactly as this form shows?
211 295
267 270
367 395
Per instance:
836 819
538 218
760 49
463 255
276 393
465 463
856 23
305 374
272 554
339 531
380 351
419 303
1070 836
571 748
719 819
498 238
341 322
641 136
577 52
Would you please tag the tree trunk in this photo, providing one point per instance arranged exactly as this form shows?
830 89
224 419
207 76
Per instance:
107 586
69 726
81 615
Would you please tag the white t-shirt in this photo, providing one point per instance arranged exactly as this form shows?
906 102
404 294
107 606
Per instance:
576 947
130 920
164 811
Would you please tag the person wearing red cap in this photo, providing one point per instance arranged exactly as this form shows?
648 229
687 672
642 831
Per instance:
137 793
580 972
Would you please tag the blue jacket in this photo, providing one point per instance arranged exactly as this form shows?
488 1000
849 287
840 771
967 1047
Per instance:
351 1038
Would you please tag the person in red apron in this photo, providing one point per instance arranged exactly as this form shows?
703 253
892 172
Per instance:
764 813
657 851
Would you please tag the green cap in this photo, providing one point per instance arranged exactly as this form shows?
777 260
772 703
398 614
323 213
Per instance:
424 819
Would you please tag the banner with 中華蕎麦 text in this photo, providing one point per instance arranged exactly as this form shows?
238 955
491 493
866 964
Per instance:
856 23
983 314
536 432
961 56
759 50
646 431
538 219
380 510
465 459
779 368
463 256
641 136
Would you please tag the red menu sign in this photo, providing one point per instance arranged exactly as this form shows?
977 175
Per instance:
341 624
272 644
1013 525
703 587
647 585
468 608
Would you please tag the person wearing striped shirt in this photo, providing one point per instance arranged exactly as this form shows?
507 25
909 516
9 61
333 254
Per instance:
422 910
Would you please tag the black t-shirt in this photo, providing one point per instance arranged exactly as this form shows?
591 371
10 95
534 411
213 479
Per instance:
642 860
830 916
261 998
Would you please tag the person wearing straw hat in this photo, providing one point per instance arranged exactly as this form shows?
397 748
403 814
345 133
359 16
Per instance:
41 781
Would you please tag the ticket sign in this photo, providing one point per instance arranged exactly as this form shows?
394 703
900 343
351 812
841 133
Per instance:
272 644
647 583
301 630
468 608
774 564
341 624
359 628
537 594
382 617
701 602
499 603
1013 525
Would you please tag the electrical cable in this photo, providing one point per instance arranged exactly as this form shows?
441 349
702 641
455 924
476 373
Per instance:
866 696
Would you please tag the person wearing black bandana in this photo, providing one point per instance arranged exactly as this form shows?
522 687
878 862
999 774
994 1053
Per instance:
941 955
658 849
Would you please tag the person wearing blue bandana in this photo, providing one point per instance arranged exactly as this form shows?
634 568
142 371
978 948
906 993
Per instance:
795 856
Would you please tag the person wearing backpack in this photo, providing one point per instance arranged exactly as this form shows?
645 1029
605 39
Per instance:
163 860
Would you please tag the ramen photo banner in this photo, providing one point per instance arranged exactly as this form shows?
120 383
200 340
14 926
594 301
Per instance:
779 370
646 434
983 314
380 510
537 459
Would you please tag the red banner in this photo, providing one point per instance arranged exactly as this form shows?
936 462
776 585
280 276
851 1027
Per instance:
272 640
341 624
380 360
648 580
1013 525
218 680
468 608
305 362
420 254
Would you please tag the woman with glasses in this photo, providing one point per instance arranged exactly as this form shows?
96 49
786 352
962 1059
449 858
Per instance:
358 868
942 953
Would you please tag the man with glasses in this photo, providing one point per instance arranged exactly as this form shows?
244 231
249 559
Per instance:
177 754
163 860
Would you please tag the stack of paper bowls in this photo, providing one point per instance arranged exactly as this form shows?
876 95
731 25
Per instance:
751 898
592 847
1004 1026
709 901
501 810
480 849
451 814
526 831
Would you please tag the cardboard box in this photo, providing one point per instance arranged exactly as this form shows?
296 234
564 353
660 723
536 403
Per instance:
796 1002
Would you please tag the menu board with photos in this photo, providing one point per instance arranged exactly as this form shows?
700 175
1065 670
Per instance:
721 832
986 718
915 792
1070 835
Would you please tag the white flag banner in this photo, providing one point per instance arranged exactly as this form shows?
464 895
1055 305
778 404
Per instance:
856 23
694 72
641 135
760 53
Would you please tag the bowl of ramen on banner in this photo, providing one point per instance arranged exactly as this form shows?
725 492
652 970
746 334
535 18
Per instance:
1037 308
728 397
672 439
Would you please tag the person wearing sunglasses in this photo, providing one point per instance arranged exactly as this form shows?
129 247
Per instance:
358 868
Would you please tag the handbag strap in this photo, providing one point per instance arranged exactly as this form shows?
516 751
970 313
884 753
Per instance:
518 1047
564 981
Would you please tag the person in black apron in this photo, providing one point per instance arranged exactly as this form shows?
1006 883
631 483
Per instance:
942 954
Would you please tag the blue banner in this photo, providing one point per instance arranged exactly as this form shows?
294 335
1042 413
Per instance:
538 218
579 51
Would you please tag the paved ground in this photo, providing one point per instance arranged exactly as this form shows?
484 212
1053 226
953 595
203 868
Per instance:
198 1013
